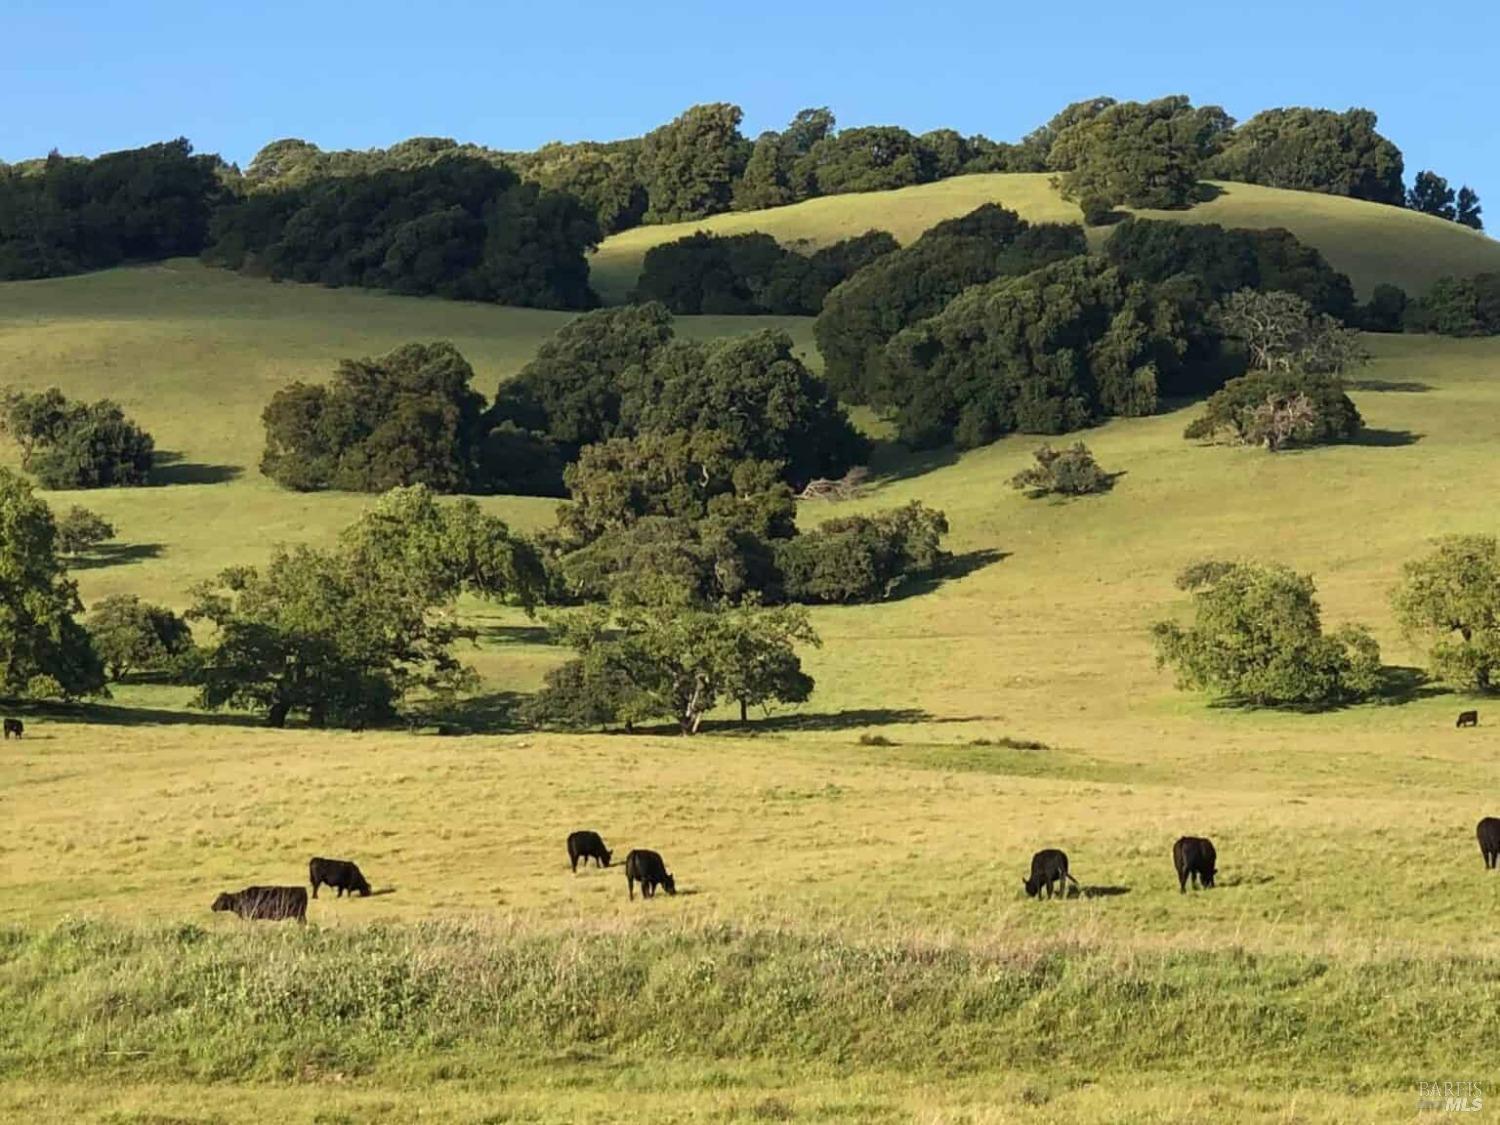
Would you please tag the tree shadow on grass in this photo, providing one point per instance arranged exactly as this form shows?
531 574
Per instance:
491 713
168 468
514 634
1397 385
111 714
892 461
114 554
817 722
959 566
1398 685
1384 439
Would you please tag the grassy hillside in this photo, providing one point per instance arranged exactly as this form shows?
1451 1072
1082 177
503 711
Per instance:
853 943
1370 242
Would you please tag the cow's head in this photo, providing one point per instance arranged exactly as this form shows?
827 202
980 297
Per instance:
669 884
363 887
1032 885
606 857
225 901
1206 877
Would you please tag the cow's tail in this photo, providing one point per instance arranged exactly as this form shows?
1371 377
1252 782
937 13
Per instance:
1070 878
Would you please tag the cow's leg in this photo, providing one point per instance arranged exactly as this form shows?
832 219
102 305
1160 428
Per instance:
315 890
1182 883
630 886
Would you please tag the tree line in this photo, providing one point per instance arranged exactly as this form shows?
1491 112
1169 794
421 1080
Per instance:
431 215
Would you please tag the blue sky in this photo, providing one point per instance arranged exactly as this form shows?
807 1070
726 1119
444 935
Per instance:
87 77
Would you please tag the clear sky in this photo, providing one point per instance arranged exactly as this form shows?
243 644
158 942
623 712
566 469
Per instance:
87 76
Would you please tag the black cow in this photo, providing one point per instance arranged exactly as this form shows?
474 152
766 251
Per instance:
1467 719
271 903
587 845
14 727
1194 857
338 873
1489 841
647 869
1048 866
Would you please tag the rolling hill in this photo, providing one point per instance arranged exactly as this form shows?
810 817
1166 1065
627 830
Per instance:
851 943
1370 242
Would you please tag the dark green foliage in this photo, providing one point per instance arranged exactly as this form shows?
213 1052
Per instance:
689 165
1228 260
71 214
1385 311
675 662
1469 211
459 227
915 282
81 530
1431 195
1314 150
1450 601
872 158
571 390
752 389
862 558
134 636
1257 637
408 417
689 475
672 560
750 274
69 445
44 651
1454 306
1063 472
1048 352
604 177
1144 154
767 178
1279 408
1098 212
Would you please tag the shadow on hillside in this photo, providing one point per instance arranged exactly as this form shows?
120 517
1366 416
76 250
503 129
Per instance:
1398 685
169 468
491 713
959 566
1384 439
823 721
114 554
891 461
514 634
111 714
1398 385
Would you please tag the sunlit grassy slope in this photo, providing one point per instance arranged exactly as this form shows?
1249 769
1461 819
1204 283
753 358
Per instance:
855 945
1370 242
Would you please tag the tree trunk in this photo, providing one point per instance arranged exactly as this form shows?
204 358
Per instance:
278 713
744 715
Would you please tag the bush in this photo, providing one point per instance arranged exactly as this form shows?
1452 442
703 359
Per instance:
1063 472
1276 409
80 530
69 445
1141 154
1050 352
1459 307
1385 311
1257 637
1450 600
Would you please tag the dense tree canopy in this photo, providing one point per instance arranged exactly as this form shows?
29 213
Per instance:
862 558
68 444
604 177
1144 154
1450 600
689 165
1277 409
1458 306
750 274
44 651
1257 637
134 636
458 227
754 390
1048 352
70 214
408 417
1314 150
915 282
1229 260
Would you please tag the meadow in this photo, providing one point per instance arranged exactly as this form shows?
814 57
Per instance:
851 942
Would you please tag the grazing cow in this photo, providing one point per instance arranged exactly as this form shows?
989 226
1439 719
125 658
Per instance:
339 873
1467 719
14 727
647 869
587 845
271 903
1048 866
1194 857
1489 841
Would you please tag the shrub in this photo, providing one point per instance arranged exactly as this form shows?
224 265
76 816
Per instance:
1451 601
77 445
862 558
133 636
80 530
1276 409
1063 472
